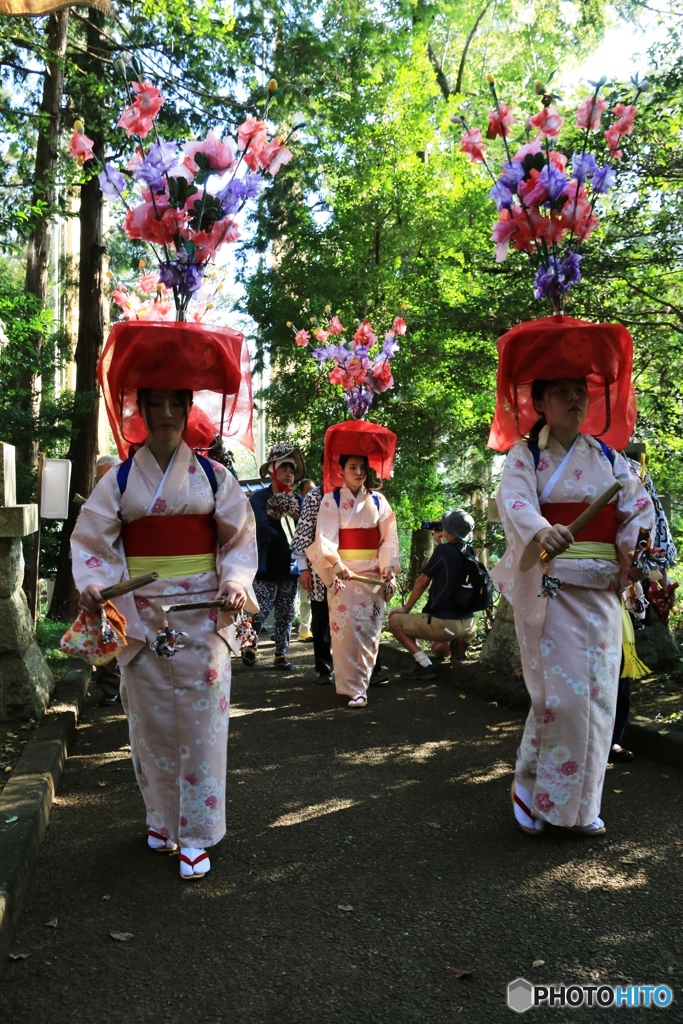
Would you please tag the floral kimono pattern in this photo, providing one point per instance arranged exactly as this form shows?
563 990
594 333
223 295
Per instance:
177 708
570 645
356 613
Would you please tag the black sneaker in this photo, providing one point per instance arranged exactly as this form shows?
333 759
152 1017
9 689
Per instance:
422 672
380 676
322 678
282 664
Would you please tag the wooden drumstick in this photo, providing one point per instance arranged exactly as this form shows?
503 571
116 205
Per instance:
125 586
587 515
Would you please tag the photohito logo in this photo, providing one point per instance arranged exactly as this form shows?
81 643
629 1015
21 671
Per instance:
522 995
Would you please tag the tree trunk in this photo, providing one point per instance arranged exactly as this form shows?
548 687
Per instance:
421 544
83 448
38 251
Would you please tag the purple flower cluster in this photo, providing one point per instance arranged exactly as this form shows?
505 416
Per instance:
160 159
359 401
185 278
238 191
558 277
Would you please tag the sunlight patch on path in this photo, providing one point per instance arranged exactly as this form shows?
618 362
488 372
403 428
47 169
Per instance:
313 811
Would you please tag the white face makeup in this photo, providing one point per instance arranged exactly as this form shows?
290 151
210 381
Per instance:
354 472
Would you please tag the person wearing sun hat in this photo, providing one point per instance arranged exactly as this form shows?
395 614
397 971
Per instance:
564 403
276 510
169 389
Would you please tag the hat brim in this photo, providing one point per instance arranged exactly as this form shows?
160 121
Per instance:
293 453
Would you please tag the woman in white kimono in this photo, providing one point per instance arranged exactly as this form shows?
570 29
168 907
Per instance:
356 533
571 644
171 511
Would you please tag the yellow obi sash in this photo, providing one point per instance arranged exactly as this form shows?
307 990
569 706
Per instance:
591 549
633 667
168 566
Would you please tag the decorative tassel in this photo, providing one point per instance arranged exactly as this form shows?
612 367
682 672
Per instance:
166 642
633 668
543 437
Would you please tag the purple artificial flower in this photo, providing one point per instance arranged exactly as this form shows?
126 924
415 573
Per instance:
358 401
554 180
160 159
583 165
390 347
361 352
183 277
230 198
320 354
557 278
111 182
511 174
502 196
603 179
251 186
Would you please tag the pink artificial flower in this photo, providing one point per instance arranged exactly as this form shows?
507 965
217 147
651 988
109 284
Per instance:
547 121
590 112
220 155
499 121
503 230
532 191
135 160
382 378
365 335
208 242
555 230
472 144
273 156
148 283
320 335
626 113
338 375
211 801
81 148
138 118
558 160
252 133
529 148
154 222
120 297
336 326
400 326
612 136
302 337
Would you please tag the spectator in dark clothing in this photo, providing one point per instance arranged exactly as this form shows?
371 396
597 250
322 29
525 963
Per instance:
277 578
443 622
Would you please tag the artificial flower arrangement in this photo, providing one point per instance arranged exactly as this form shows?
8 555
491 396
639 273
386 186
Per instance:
148 299
362 365
190 194
546 205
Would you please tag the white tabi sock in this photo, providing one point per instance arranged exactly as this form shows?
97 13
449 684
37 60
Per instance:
523 818
422 659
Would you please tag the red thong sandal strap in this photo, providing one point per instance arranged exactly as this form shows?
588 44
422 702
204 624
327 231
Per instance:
156 835
197 860
520 803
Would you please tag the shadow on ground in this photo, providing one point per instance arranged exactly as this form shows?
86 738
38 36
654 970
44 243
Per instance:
368 854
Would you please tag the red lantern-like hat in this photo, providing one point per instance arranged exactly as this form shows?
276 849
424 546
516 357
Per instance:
560 346
213 362
357 437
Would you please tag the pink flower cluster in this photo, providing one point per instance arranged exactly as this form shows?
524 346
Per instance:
360 366
150 300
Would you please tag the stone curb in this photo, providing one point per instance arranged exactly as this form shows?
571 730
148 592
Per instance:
473 678
29 794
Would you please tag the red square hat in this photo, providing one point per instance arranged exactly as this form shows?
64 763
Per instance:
561 346
357 437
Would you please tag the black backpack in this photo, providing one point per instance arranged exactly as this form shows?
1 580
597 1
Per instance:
476 592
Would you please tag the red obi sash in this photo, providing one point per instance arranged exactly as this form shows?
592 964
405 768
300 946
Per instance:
603 528
359 538
164 536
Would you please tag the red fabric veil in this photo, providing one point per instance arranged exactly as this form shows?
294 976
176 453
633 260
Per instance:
213 362
357 437
560 346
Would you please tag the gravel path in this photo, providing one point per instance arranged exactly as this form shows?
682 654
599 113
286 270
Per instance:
369 853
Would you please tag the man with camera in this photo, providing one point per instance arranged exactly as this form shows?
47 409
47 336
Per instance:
447 616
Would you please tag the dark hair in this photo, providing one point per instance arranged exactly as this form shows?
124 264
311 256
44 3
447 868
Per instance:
184 394
538 390
370 478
